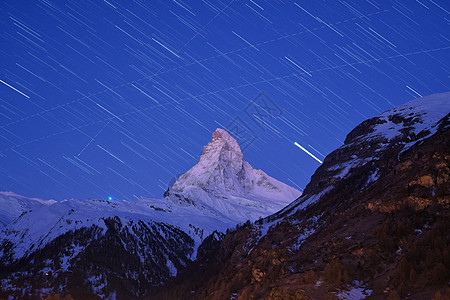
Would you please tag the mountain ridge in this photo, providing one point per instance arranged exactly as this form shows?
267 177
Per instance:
401 127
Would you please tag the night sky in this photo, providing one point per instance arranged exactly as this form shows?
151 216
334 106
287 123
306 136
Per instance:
117 98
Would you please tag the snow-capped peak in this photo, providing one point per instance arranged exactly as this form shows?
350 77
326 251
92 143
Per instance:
219 164
227 184
223 149
222 137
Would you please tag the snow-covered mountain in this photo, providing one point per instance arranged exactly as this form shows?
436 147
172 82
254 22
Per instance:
227 185
13 205
150 239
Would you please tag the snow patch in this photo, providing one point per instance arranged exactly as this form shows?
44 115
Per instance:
373 176
98 283
172 269
313 198
347 166
302 238
356 292
65 260
418 117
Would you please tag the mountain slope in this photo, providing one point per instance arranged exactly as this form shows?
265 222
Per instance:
14 205
382 137
373 222
99 248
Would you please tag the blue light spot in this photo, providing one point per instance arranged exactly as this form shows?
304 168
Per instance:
109 198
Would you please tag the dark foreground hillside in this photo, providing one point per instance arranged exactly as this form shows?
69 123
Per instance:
381 232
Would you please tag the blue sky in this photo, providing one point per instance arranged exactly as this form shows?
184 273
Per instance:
117 98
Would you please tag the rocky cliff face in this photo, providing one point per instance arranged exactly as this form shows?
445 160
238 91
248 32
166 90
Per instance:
373 222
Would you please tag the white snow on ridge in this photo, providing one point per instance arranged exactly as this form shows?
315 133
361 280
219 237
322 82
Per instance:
313 198
347 166
13 205
43 224
304 201
429 110
423 114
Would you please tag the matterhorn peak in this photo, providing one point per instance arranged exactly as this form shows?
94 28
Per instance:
224 150
222 147
222 173
222 135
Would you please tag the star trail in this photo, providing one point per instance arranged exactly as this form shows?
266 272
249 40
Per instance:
104 99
